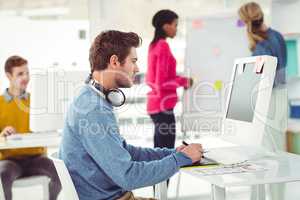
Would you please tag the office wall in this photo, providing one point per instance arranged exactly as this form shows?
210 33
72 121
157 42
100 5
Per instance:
44 43
135 15
285 16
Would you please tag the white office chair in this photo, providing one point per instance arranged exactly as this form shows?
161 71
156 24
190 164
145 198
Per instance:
28 182
68 188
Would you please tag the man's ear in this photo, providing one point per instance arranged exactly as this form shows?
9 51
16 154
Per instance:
8 75
114 61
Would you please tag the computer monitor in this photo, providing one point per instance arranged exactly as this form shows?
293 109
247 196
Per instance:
248 100
51 92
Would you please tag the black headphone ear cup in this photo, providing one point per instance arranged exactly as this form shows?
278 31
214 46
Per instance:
116 97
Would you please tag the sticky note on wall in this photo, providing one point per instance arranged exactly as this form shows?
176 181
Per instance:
216 51
218 85
240 23
197 24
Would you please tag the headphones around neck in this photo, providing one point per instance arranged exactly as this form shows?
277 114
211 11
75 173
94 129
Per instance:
113 96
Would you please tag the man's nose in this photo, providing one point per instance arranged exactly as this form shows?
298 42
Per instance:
137 69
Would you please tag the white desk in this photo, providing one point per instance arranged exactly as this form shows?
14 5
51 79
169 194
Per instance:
282 168
38 141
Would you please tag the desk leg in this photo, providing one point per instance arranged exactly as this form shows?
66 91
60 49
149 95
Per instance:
218 193
161 191
178 185
277 191
258 192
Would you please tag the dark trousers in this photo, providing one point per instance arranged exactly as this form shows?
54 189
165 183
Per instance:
165 129
12 169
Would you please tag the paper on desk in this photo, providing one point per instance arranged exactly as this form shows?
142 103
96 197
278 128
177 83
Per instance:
220 170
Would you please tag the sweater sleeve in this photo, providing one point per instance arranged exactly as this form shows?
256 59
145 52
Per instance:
147 154
104 144
183 81
166 78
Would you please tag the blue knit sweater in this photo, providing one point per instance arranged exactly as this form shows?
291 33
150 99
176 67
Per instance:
102 165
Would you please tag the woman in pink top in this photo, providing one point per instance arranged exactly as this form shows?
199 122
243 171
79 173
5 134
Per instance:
162 78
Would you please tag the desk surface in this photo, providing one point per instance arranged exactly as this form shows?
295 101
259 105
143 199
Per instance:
282 167
38 141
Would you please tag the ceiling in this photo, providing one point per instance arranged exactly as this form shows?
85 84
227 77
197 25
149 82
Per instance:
74 9
32 4
78 9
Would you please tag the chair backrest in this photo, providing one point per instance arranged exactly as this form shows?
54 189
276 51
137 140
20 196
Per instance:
68 188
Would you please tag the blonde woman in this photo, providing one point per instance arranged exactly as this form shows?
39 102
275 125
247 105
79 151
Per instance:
264 40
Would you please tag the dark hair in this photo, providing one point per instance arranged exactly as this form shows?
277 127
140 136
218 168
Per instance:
257 23
161 18
110 43
14 61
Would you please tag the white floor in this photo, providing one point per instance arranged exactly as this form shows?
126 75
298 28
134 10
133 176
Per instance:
191 188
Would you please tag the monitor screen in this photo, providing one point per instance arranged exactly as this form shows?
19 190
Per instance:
243 96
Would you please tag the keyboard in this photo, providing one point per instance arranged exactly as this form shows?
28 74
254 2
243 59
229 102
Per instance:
32 136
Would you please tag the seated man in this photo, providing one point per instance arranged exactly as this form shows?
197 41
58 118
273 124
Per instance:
14 118
101 163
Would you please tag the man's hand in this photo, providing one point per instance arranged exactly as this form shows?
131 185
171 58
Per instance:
180 148
193 151
9 130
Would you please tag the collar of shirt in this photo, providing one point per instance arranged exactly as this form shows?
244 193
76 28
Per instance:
8 97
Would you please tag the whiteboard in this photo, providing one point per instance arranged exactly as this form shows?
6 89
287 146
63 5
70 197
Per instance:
213 42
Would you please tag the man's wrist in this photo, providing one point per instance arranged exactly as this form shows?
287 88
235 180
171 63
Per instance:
182 159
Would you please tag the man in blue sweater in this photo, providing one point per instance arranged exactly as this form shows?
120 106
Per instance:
102 165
